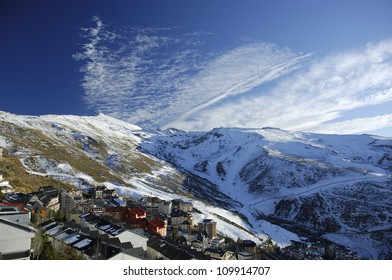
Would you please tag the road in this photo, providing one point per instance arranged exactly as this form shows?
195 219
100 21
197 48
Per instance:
300 191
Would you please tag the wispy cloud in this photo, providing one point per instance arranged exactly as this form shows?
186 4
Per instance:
313 98
358 125
134 74
155 77
151 77
235 73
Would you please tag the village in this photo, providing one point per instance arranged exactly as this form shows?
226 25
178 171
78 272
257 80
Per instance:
97 223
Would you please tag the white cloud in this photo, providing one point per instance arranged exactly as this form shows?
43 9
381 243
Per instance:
319 94
152 78
358 125
234 73
135 74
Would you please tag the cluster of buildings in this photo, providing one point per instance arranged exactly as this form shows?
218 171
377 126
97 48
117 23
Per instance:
98 224
318 250
97 238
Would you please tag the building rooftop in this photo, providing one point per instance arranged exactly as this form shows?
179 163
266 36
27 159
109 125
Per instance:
14 256
102 224
207 221
19 226
173 251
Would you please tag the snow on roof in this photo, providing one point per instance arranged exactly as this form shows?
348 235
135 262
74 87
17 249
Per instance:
45 226
119 201
64 234
54 230
83 243
72 238
105 227
84 215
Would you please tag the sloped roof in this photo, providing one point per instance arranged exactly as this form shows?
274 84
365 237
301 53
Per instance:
173 252
15 225
102 224
14 256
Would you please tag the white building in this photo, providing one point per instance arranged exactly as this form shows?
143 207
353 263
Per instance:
135 236
14 213
166 207
15 240
5 186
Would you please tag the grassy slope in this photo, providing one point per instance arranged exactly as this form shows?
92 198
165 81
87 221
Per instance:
42 145
13 171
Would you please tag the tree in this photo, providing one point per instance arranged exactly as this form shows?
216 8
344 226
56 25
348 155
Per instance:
35 218
38 243
68 253
47 251
59 216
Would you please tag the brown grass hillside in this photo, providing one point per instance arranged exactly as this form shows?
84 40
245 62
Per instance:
12 170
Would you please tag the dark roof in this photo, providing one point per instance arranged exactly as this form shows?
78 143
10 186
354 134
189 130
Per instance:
173 251
115 242
34 205
102 224
85 240
86 230
216 251
178 213
168 250
72 224
136 252
46 223
45 195
127 246
15 256
207 221
105 251
248 243
55 224
24 228
18 198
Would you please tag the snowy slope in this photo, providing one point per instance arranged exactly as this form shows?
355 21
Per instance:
336 185
85 151
328 183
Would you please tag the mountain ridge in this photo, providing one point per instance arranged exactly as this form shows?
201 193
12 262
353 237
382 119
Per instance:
325 183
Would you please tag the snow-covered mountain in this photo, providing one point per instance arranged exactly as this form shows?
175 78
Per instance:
339 186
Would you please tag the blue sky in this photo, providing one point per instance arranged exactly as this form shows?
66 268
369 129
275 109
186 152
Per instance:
317 66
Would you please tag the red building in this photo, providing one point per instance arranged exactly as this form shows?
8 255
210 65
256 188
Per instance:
157 226
137 217
136 214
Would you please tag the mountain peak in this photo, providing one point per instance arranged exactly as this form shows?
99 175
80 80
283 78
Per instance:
338 185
